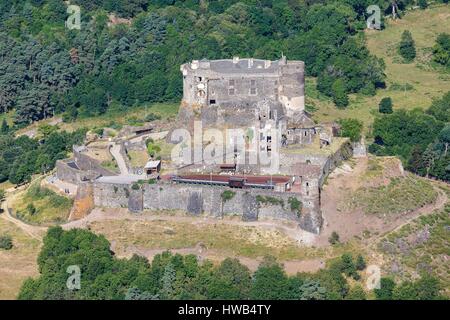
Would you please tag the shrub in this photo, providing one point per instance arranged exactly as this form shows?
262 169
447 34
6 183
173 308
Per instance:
152 117
6 242
135 186
351 128
296 205
227 195
269 200
360 263
334 238
339 94
385 105
423 4
407 48
31 209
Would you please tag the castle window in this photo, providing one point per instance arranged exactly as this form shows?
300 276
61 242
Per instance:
212 101
253 91
231 83
200 79
253 83
231 91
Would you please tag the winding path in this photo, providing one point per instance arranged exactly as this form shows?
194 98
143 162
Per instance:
115 151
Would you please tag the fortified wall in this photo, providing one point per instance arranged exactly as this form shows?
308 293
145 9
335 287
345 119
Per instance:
80 168
250 204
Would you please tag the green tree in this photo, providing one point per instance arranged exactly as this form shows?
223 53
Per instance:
423 4
312 290
168 282
407 47
385 292
339 93
4 128
269 281
230 281
360 263
441 50
350 128
440 108
385 105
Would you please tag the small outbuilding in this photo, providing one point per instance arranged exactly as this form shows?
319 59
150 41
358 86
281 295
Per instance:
152 167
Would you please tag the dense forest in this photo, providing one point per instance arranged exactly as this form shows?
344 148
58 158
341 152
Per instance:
168 276
22 157
47 69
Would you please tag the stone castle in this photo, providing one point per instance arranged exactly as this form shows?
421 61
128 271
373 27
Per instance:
234 93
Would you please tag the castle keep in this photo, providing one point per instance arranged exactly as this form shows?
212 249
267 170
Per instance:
252 94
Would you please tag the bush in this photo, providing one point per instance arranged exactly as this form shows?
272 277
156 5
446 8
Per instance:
135 186
339 94
6 242
387 286
360 263
152 117
296 205
423 4
385 105
227 195
351 128
407 48
31 209
334 238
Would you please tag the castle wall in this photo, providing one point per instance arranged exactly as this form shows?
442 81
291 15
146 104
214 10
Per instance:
86 163
65 172
197 200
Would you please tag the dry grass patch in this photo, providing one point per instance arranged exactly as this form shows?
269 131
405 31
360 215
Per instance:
229 240
400 195
18 263
41 206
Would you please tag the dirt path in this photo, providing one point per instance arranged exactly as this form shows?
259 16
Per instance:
35 232
115 151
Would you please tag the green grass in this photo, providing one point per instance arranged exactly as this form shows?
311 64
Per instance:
49 207
111 166
138 158
401 195
411 85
